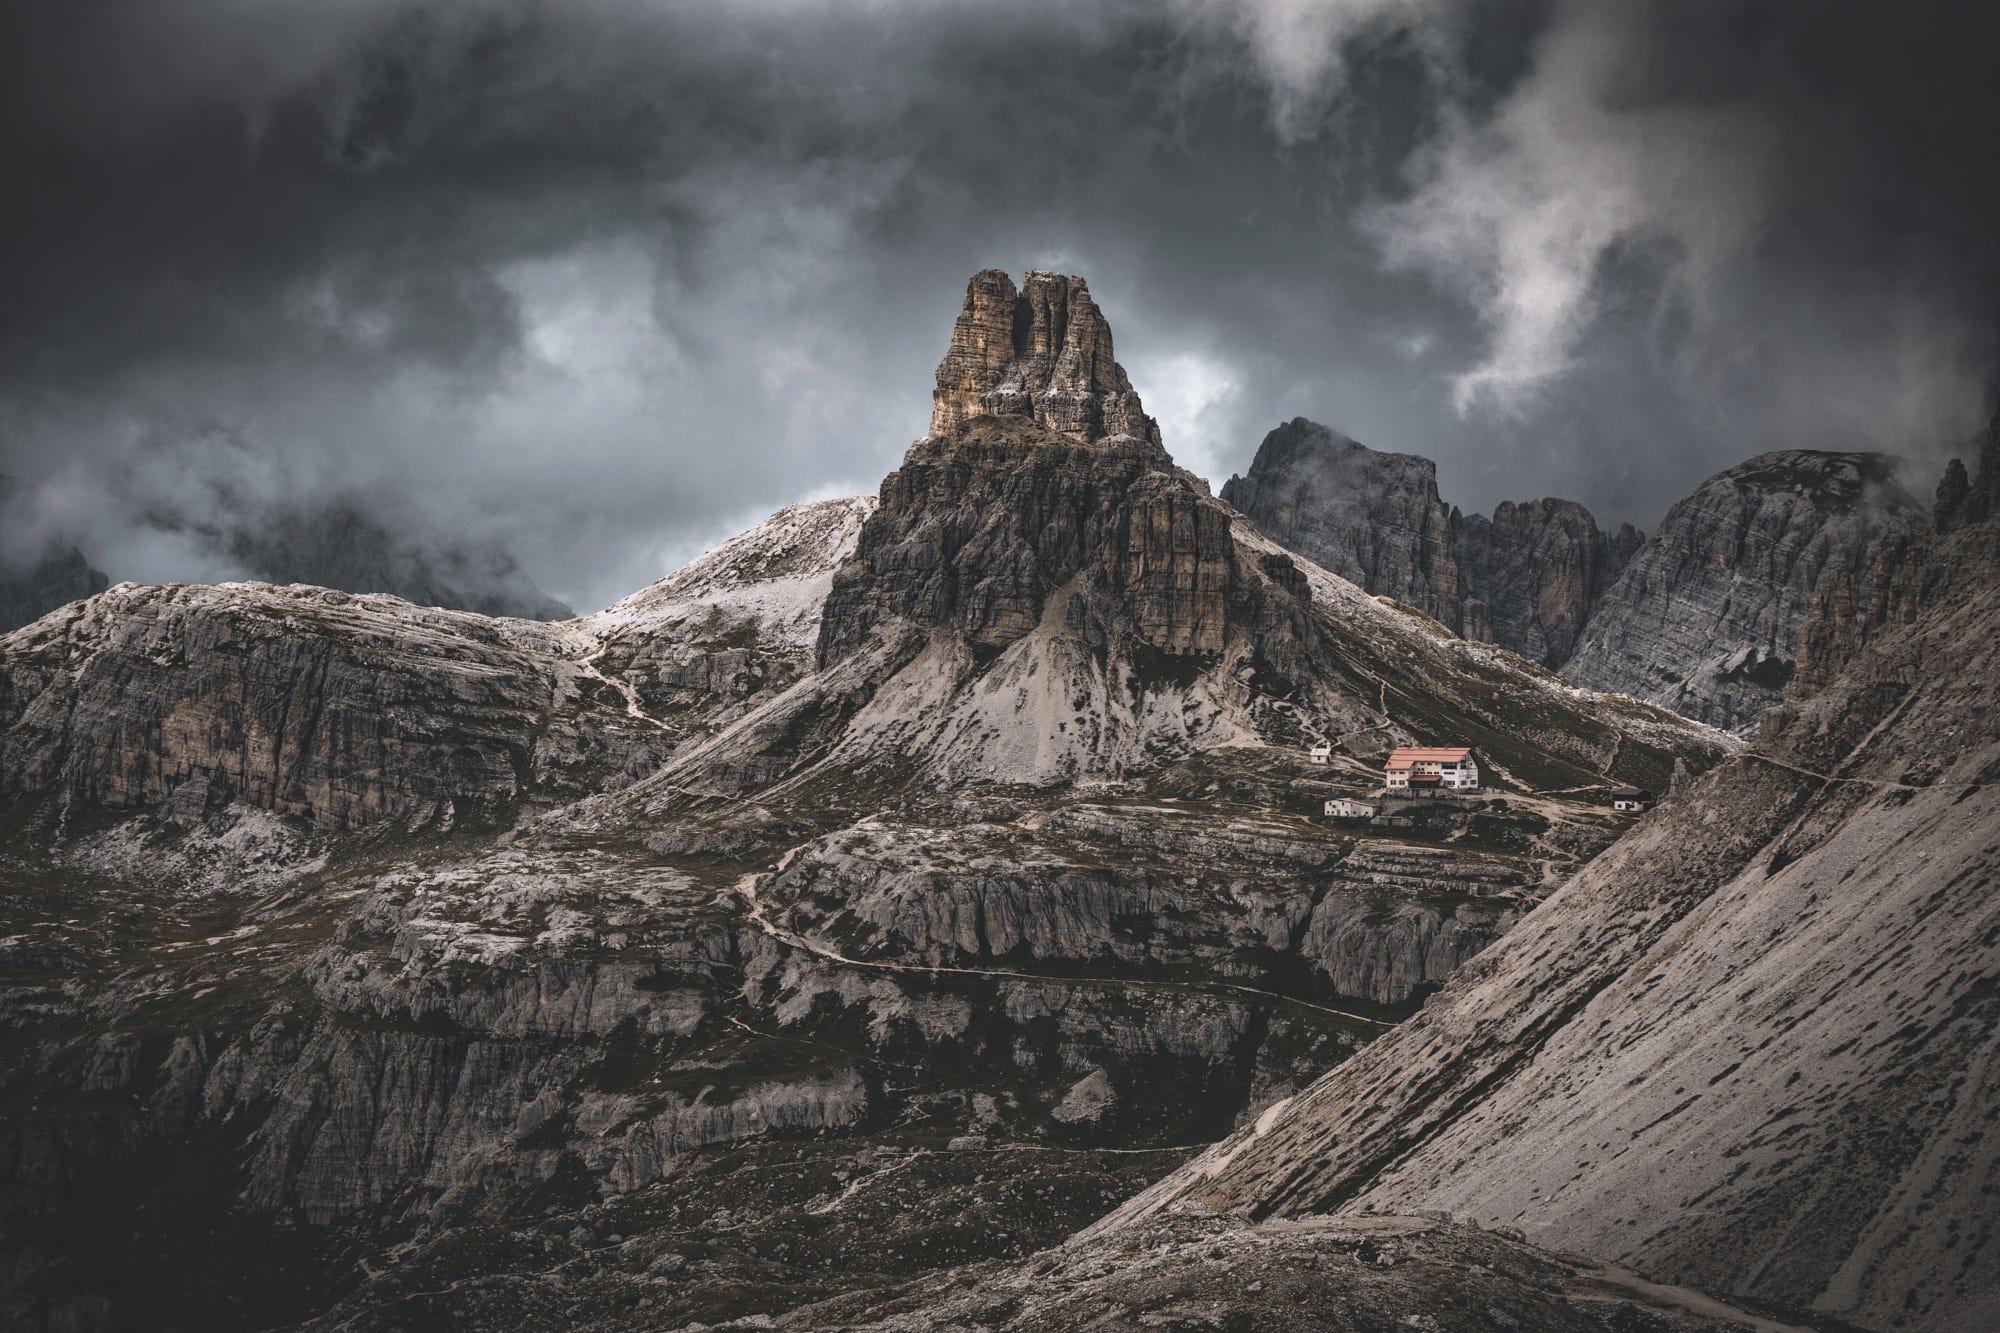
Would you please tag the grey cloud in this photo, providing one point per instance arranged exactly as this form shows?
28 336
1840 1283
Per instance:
602 281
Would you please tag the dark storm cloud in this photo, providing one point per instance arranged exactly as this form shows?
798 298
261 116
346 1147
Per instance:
608 279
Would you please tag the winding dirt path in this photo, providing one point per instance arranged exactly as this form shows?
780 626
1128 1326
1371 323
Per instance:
748 886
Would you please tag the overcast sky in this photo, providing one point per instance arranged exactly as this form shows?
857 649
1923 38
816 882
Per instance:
609 279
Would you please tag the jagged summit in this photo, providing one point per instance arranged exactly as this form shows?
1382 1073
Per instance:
1042 352
1705 618
1752 1047
1526 578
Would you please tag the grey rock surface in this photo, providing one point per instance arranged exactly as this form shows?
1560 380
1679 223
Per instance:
1766 1012
1042 354
1373 518
1705 619
1526 578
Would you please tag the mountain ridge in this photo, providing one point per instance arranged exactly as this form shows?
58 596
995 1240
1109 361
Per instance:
905 880
1527 577
1674 1052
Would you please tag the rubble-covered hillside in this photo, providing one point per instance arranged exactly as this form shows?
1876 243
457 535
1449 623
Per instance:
1705 618
902 884
1752 1047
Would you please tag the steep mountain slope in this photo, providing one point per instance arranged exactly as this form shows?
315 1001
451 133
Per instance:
1705 619
731 627
1753 1047
731 947
1373 518
1526 578
277 697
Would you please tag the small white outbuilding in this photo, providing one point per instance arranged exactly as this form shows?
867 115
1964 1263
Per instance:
1343 807
1322 754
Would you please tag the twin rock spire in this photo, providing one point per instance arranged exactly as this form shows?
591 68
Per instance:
1042 353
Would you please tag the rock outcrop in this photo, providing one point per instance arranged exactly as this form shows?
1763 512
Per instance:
1042 353
981 531
1527 578
1767 1012
899 884
1372 518
1533 574
340 710
1706 618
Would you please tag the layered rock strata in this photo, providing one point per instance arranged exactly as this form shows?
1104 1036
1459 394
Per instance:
1706 618
1765 1012
337 709
1527 578
1042 353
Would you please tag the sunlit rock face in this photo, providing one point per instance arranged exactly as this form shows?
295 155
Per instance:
1042 353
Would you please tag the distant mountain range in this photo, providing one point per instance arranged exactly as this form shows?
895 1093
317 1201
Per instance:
919 914
340 546
330 546
1703 617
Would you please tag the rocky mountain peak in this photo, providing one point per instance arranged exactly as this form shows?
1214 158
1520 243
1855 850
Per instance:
1042 352
1706 618
1963 500
1526 578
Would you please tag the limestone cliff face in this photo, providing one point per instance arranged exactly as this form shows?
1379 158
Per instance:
1373 518
1533 574
1042 353
336 709
983 531
1526 578
1043 501
1705 619
1767 1011
1905 576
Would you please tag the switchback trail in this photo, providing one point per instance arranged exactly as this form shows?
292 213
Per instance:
747 888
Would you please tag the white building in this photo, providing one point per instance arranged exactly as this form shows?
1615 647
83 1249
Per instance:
1631 799
1322 754
1452 765
1341 807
